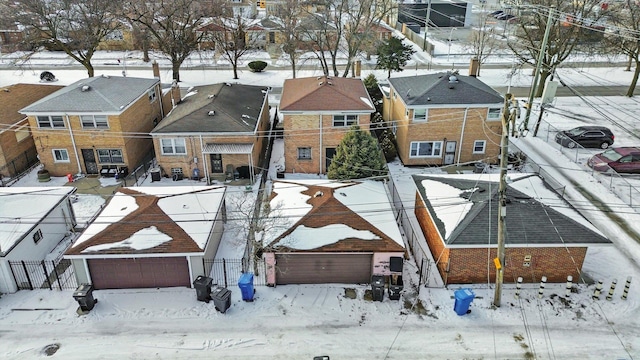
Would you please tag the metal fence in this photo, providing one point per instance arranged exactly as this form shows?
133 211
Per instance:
226 272
18 167
45 274
139 174
413 237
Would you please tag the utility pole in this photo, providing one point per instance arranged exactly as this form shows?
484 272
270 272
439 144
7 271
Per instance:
543 49
426 25
507 115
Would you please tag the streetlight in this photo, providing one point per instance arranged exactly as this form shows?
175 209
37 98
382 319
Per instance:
450 35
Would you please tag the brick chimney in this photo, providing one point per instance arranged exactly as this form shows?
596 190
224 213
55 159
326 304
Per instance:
473 66
156 69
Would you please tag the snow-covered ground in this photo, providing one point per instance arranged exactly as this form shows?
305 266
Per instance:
300 322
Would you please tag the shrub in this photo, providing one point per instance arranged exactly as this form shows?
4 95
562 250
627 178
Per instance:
257 66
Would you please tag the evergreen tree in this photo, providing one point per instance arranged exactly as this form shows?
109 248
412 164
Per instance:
357 157
393 55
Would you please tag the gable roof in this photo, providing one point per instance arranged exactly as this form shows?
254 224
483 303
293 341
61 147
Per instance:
236 107
100 94
15 97
152 220
23 208
465 207
328 216
436 89
325 93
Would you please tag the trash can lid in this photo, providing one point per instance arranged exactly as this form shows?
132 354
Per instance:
463 294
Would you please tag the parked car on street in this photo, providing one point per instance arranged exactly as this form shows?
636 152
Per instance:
621 160
496 13
505 16
586 136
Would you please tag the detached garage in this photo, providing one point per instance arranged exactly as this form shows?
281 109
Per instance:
330 232
151 237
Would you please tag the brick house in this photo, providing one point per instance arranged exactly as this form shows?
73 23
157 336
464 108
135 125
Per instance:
217 129
317 112
546 236
330 232
97 125
442 119
17 149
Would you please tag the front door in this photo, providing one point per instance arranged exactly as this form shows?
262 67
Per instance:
216 163
449 152
90 164
329 154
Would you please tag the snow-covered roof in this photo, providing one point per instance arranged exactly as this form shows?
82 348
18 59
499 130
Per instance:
172 219
464 208
323 215
22 208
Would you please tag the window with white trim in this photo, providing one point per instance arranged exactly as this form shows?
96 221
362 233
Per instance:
479 146
345 120
419 114
152 94
425 149
37 236
173 146
60 155
110 156
304 153
94 121
53 121
494 113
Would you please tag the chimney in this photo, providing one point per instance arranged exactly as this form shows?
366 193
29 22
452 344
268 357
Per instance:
473 66
156 69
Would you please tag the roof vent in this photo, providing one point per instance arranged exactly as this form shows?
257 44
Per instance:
452 81
228 84
319 77
211 112
318 194
86 88
105 76
211 96
246 116
320 83
409 93
329 83
428 99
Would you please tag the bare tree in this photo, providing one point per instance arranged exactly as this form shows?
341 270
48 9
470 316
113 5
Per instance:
483 42
624 39
176 26
319 35
232 38
570 28
287 23
76 27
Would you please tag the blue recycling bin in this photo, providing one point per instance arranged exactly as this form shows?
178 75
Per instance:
463 297
245 283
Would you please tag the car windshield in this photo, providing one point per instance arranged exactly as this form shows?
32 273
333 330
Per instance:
575 131
611 154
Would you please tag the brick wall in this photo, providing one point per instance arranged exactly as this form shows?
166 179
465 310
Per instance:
304 131
11 149
445 124
439 251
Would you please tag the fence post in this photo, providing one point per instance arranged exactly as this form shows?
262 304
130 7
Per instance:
24 266
55 271
543 281
596 292
569 285
421 269
518 287
224 271
204 266
46 276
612 289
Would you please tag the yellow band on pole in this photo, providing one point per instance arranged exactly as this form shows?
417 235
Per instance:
497 262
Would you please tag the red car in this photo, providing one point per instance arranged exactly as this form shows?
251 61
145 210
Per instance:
621 160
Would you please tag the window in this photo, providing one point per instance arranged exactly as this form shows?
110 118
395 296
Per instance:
479 146
152 94
115 35
60 155
37 236
94 121
22 133
110 156
50 121
304 153
426 149
494 114
345 120
420 115
173 147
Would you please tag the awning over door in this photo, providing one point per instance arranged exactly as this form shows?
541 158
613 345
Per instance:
228 149
304 268
127 273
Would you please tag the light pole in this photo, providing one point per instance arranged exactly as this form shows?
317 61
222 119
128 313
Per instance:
450 35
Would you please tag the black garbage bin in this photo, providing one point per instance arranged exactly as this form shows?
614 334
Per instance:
202 284
395 286
155 174
84 297
377 287
221 298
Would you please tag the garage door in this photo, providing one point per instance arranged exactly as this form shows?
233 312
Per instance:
323 268
139 273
